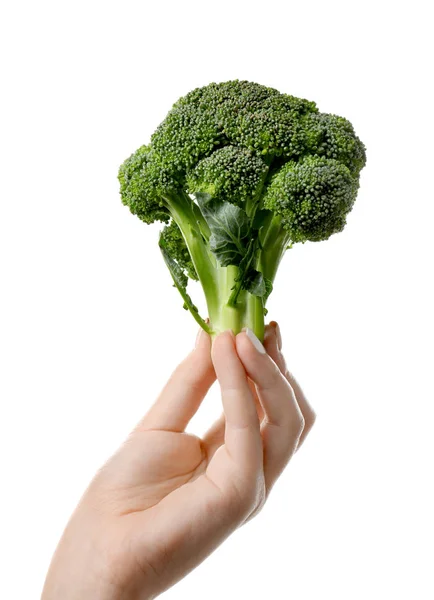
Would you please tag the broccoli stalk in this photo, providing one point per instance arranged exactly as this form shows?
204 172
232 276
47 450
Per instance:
239 172
229 305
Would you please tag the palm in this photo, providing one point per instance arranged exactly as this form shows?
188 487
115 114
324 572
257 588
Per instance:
154 463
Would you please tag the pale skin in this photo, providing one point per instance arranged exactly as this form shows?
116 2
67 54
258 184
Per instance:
167 499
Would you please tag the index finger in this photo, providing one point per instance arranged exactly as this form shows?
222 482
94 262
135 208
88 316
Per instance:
242 433
284 422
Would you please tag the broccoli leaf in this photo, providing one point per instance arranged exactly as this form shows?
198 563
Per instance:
229 226
258 285
268 288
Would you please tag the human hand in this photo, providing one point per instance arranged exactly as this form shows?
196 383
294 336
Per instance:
167 499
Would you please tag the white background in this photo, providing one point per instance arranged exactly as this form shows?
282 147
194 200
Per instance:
90 327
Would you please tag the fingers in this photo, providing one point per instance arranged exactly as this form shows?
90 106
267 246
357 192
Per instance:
215 436
283 423
185 390
242 432
273 345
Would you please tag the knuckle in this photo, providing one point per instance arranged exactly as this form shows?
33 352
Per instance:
298 424
272 378
310 420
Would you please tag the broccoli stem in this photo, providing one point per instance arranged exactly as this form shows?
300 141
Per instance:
247 311
255 315
183 213
274 241
229 306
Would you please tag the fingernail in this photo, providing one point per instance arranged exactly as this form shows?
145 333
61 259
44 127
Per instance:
278 334
256 343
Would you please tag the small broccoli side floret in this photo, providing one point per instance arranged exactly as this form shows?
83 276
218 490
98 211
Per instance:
173 241
239 172
312 197
142 186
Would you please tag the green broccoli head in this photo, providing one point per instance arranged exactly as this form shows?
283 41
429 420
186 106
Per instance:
312 197
223 138
238 171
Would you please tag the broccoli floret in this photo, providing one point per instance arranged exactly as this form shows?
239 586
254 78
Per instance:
143 186
229 174
312 197
171 238
333 137
241 172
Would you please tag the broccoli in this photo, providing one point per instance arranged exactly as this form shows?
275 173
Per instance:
239 172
